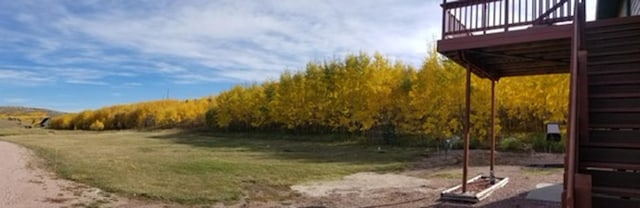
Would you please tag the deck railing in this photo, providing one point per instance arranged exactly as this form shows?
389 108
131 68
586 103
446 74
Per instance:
477 17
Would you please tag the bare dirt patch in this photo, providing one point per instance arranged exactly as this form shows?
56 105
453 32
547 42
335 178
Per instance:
24 184
421 185
364 184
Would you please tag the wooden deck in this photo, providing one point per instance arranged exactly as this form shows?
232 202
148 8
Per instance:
501 38
602 165
533 51
540 50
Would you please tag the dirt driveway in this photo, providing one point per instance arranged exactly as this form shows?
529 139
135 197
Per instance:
24 184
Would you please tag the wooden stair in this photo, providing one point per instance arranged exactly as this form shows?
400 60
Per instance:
610 153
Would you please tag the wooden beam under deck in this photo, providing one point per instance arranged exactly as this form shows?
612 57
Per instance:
505 56
530 51
538 33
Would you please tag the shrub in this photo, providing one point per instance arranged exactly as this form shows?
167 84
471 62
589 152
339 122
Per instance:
97 126
511 144
475 143
458 143
540 144
210 118
558 146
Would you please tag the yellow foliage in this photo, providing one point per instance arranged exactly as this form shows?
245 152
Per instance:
97 126
359 93
152 114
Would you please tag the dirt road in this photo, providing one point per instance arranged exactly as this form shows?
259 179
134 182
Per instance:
23 184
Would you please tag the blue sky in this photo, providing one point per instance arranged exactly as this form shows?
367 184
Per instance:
72 55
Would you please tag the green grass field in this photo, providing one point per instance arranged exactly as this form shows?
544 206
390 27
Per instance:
201 167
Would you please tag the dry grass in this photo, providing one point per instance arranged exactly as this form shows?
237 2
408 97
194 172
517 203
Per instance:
8 128
199 167
541 171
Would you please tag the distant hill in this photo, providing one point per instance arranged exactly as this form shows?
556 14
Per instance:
19 111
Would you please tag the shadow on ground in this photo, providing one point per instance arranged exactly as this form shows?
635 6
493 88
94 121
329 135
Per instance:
336 148
312 148
518 201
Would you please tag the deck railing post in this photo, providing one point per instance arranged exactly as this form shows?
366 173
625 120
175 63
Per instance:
444 18
477 17
506 15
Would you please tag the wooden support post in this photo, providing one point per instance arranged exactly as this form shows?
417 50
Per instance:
492 132
583 190
467 116
570 171
445 21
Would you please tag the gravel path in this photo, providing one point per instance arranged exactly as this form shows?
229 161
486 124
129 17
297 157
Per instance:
23 184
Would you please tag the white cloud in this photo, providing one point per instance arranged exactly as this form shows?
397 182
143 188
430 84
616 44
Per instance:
132 84
15 100
86 76
85 82
195 78
256 40
168 68
23 77
39 75
196 41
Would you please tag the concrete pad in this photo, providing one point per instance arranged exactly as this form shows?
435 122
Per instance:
546 192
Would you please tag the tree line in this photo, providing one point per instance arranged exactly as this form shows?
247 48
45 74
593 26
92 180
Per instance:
146 115
360 94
